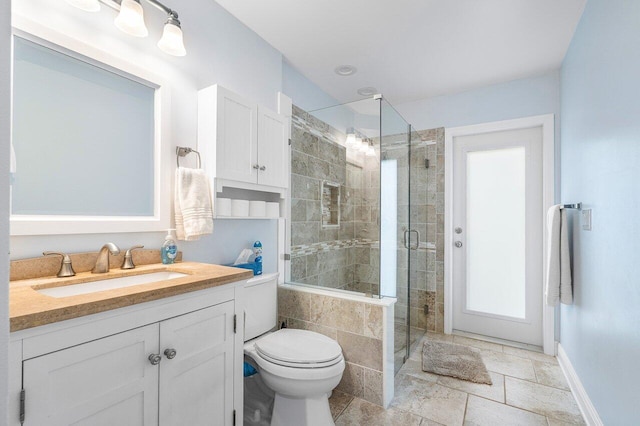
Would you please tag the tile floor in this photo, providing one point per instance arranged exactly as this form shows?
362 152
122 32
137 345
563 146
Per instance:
528 389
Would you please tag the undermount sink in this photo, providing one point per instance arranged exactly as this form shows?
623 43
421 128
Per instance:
108 284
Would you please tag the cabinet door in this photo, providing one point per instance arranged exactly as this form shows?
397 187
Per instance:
106 382
273 149
196 386
236 141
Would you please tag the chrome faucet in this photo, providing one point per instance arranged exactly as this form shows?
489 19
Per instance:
102 263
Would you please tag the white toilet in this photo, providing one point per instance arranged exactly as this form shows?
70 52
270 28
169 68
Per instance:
301 367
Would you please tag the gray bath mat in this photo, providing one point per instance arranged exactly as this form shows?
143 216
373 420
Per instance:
450 359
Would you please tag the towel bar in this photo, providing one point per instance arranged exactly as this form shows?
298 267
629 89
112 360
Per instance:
572 206
182 151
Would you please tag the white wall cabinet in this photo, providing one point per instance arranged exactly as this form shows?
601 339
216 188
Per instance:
241 141
89 371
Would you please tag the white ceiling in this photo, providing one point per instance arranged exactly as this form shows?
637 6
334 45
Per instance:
414 49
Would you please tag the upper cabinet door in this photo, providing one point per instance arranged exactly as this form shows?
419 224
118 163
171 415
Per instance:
273 148
237 146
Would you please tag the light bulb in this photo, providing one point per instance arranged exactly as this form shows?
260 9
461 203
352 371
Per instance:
131 19
171 41
86 5
351 139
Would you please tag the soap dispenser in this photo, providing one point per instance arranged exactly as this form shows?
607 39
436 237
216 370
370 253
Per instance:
169 249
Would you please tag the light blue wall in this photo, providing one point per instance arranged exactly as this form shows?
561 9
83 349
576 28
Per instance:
304 93
600 332
514 99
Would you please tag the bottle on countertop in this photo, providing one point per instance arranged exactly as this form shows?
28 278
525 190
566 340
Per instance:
169 249
257 251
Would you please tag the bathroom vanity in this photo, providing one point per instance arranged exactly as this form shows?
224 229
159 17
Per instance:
164 352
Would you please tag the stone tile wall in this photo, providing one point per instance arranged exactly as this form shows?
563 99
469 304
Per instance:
356 326
341 257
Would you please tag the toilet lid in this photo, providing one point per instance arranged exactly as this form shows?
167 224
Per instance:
298 347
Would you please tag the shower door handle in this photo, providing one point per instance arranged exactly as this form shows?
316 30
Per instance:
417 239
407 241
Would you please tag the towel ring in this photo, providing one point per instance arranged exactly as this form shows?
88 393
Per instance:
182 151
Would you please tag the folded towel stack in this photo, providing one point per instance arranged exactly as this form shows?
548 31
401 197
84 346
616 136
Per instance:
559 287
193 205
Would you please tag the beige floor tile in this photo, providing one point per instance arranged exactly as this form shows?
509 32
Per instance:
494 392
360 412
413 368
482 412
509 365
430 400
427 422
338 402
550 375
532 355
475 343
545 400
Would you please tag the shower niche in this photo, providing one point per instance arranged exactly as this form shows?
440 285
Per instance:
330 205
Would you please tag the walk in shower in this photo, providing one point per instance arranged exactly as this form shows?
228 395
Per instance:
363 203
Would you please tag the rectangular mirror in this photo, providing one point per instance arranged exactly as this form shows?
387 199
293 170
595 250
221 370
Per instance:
86 144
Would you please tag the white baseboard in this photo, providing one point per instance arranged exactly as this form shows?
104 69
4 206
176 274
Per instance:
587 409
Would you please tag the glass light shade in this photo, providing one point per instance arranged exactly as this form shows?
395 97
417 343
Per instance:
86 5
131 19
171 41
370 152
363 146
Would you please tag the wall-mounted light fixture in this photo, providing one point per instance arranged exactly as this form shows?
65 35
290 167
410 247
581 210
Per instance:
130 20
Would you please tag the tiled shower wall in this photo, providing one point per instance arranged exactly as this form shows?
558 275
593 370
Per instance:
343 257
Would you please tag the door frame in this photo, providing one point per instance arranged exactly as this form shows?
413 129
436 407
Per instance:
547 122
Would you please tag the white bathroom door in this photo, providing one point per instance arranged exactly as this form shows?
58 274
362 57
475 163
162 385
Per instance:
498 235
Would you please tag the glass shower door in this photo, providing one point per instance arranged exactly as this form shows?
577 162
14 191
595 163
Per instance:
395 224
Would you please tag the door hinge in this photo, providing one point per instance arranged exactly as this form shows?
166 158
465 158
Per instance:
234 417
287 256
289 141
235 323
426 163
22 399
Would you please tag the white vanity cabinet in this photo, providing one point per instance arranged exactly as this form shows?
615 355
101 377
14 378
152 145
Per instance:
241 141
172 362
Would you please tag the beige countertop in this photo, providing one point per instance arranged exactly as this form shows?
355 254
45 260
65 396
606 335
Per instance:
29 308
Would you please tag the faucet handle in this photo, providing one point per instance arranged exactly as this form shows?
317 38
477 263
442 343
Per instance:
66 269
128 259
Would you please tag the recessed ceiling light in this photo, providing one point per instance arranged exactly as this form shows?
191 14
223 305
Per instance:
367 91
345 70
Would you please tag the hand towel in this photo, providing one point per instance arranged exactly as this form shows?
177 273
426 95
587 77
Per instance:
558 286
193 206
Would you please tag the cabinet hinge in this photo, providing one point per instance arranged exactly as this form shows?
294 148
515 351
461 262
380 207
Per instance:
235 323
22 398
234 417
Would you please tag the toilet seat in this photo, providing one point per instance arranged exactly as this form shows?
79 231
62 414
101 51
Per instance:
299 349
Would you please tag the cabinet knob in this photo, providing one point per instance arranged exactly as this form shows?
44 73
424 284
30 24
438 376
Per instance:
263 168
170 353
155 359
256 166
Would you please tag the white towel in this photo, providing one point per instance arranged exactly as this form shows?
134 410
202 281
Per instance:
558 262
193 206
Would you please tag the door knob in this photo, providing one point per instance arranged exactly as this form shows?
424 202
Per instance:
155 359
170 353
458 244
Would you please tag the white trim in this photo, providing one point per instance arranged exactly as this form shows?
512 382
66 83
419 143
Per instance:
587 409
548 199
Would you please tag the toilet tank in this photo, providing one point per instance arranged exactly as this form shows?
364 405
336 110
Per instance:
261 305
